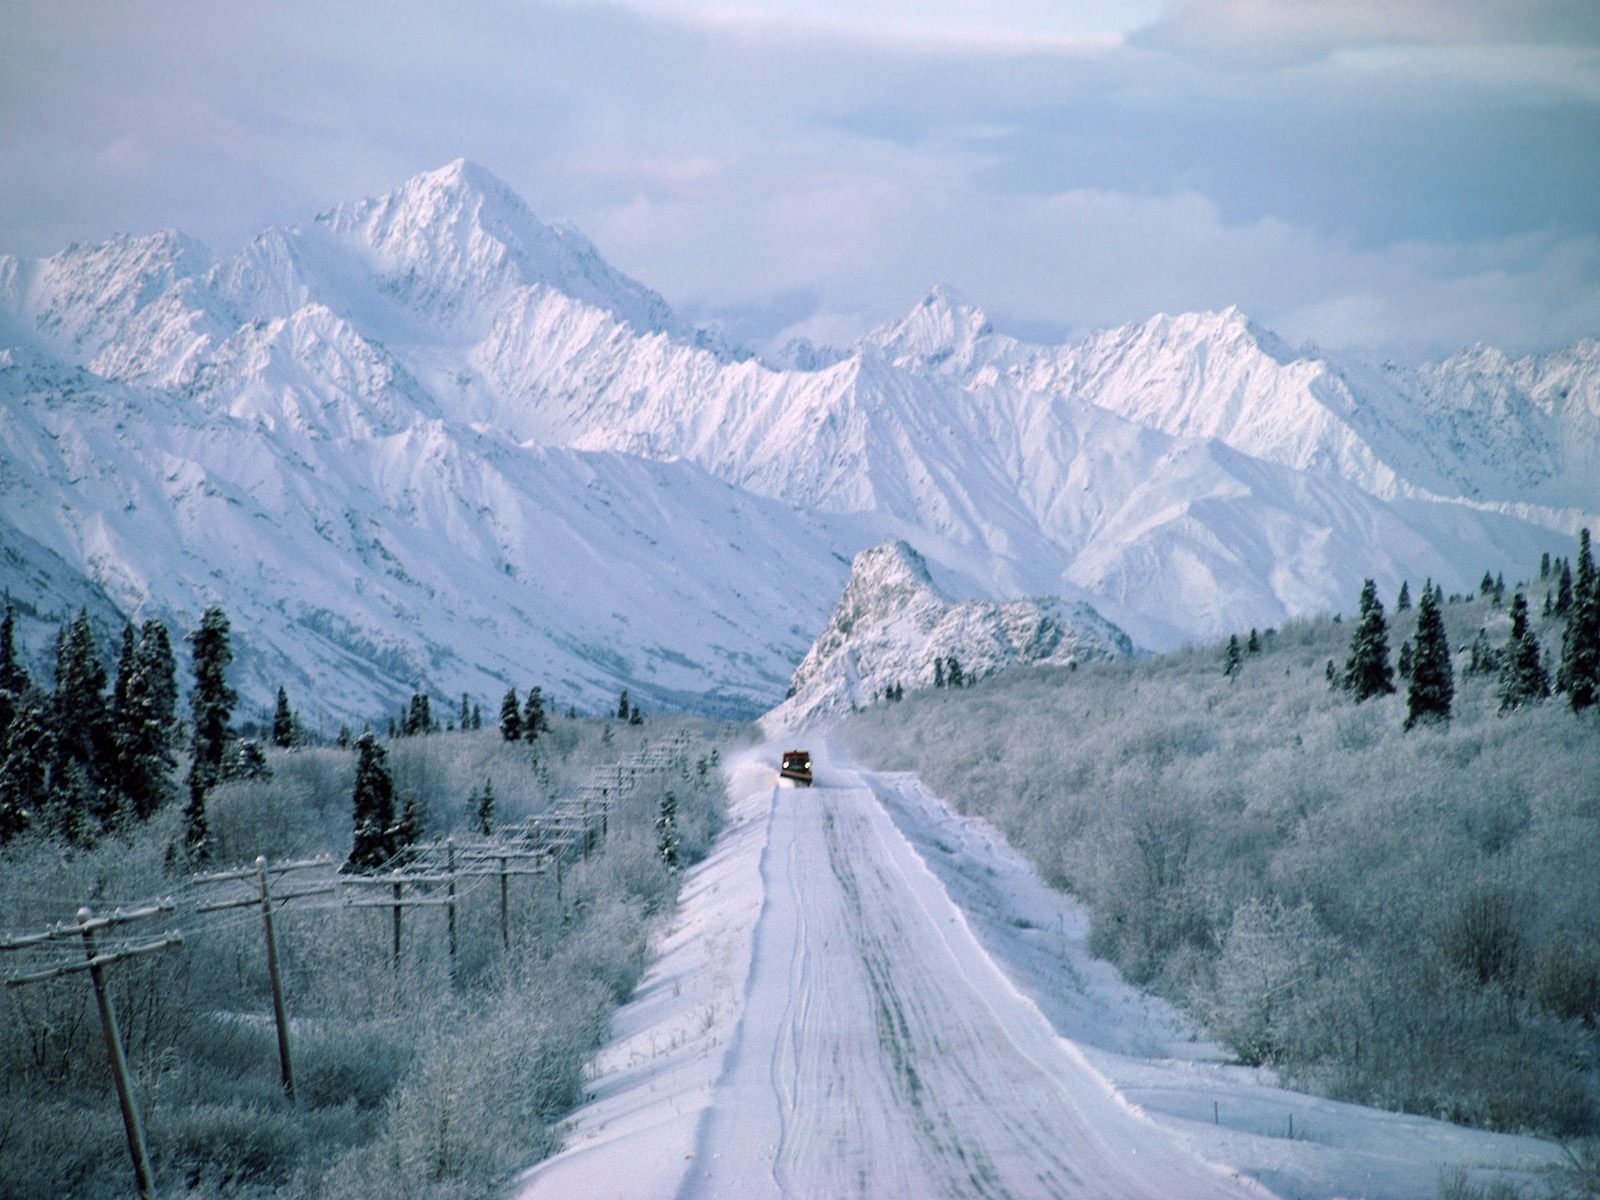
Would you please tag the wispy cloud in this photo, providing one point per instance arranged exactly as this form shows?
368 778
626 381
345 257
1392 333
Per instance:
1412 181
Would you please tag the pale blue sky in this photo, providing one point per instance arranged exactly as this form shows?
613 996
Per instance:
1404 178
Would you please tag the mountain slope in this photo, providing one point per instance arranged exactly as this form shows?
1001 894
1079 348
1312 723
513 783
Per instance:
450 441
892 623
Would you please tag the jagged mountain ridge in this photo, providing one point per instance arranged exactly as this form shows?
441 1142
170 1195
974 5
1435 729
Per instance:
1188 475
892 624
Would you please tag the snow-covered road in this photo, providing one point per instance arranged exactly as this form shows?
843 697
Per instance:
866 994
883 1054
868 1044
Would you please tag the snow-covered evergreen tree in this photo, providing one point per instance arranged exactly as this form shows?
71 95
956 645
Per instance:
1367 672
211 707
1522 676
283 735
372 808
143 718
533 719
1579 675
1402 602
25 754
1232 657
82 743
484 814
1433 686
668 839
510 716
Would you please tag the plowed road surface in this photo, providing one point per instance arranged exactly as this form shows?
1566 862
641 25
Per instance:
860 1042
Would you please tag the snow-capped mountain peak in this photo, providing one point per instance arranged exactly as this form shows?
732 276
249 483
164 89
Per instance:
942 331
455 240
894 628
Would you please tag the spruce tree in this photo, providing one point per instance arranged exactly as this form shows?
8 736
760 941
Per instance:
1522 676
25 754
622 705
1367 672
1232 658
485 809
211 707
407 831
466 712
1580 645
952 673
82 762
668 840
1485 585
533 718
1253 646
477 716
510 716
1402 602
158 674
1432 681
1564 589
372 805
142 718
1544 565
635 717
1403 663
13 677
283 722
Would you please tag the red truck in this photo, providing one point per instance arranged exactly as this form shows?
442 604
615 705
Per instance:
796 766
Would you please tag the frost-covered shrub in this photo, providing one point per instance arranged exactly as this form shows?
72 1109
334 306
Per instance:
1218 828
481 1058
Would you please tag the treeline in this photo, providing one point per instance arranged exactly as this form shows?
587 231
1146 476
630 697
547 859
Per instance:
1378 880
429 1065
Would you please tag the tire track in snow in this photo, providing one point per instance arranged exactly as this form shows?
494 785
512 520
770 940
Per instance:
882 1054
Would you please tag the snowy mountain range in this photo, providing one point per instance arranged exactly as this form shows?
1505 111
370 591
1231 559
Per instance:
427 440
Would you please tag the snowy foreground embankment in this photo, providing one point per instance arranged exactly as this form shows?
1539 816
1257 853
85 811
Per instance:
864 994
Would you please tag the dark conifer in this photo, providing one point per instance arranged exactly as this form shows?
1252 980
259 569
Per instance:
668 840
1403 663
143 719
1564 589
1544 565
1485 585
635 717
938 672
211 707
952 673
485 809
1367 672
533 719
407 831
1402 602
1432 681
1580 645
1253 646
1232 658
283 722
510 716
83 745
622 706
372 804
477 716
1499 589
1522 675
25 754
13 677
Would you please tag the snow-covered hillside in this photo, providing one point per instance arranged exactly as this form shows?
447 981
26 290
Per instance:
892 624
427 440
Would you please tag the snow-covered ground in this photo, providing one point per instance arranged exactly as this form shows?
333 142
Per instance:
864 994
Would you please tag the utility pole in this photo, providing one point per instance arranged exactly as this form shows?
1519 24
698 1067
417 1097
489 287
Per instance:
264 898
95 961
